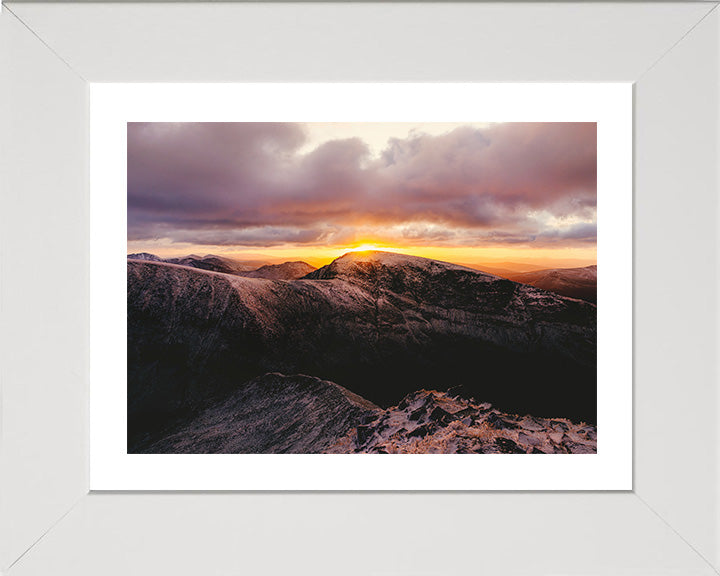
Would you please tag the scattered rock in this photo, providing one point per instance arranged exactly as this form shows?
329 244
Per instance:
419 432
528 439
557 425
529 423
440 415
507 446
500 423
364 433
396 430
417 414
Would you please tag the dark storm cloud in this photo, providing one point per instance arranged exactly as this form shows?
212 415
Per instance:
248 184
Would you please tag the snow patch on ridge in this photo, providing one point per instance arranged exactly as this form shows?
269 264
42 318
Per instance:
432 422
347 261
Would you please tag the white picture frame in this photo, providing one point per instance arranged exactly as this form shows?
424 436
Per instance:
112 106
49 523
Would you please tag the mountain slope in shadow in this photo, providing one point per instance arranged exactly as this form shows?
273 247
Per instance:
297 414
273 413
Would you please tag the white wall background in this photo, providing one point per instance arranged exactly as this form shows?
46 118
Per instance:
668 527
43 288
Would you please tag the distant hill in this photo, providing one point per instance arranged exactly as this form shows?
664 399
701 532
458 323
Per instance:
145 256
212 263
502 272
285 271
574 282
208 262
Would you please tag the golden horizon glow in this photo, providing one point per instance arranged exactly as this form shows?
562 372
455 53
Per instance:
554 257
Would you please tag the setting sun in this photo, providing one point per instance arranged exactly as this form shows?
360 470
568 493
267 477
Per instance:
365 248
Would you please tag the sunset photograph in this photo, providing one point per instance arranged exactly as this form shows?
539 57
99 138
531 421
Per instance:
364 288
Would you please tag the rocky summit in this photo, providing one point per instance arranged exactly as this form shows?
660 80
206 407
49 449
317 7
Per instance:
432 422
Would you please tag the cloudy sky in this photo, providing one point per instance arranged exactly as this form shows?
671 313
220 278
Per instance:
460 192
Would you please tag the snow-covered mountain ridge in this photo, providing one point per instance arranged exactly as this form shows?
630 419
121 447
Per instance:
380 325
277 413
432 422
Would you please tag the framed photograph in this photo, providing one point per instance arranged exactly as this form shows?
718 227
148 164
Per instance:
350 278
441 276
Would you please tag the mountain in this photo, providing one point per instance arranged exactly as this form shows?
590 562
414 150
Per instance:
432 422
501 272
208 262
145 256
502 268
573 282
273 413
379 324
212 263
276 413
285 271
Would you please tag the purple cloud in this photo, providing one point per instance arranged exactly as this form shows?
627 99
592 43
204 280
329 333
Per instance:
249 184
